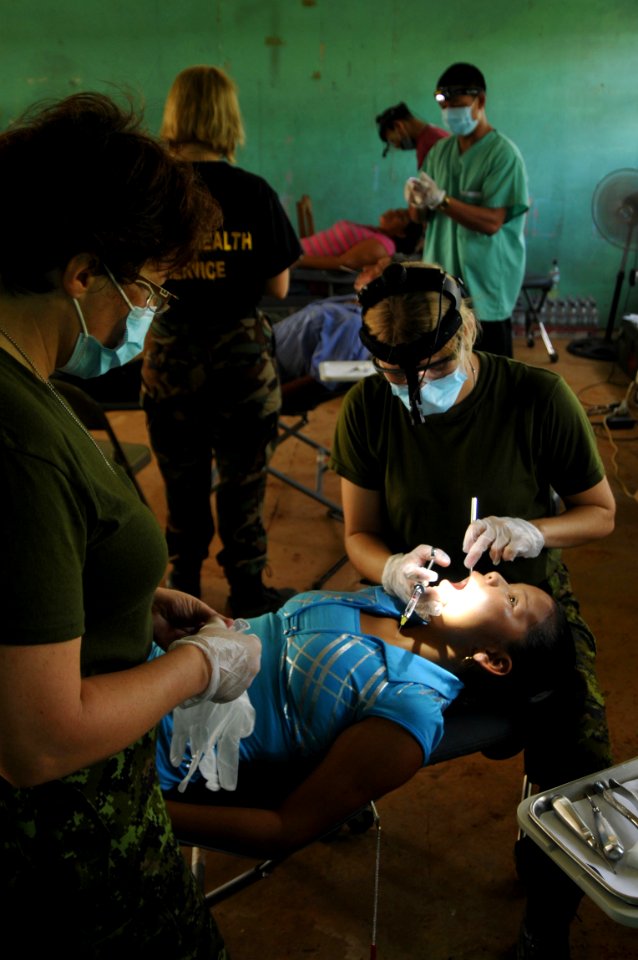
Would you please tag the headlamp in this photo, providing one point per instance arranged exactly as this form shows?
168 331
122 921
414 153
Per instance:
397 280
443 94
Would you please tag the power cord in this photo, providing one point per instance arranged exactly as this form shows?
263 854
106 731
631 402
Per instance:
619 417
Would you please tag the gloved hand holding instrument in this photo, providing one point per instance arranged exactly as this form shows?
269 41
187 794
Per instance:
505 537
407 576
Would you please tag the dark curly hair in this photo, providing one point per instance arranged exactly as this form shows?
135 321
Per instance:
80 175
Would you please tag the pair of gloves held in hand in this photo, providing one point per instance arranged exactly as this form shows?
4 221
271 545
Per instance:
216 720
423 192
505 537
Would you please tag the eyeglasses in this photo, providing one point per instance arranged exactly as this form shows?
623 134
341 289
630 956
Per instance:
398 376
159 299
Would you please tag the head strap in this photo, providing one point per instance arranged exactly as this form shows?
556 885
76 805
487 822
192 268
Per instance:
397 280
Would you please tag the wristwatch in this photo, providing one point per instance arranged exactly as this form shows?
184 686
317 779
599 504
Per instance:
445 202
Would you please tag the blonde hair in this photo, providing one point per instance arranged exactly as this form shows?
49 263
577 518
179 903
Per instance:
202 107
403 318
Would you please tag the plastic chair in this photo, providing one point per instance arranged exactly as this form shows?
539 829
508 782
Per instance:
132 457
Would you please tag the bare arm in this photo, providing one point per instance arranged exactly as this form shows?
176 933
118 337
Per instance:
588 516
53 721
487 220
360 255
278 286
363 537
366 761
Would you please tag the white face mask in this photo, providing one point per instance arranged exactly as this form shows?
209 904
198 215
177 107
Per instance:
459 120
435 396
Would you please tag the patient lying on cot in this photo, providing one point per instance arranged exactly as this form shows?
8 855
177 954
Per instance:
324 330
361 704
355 245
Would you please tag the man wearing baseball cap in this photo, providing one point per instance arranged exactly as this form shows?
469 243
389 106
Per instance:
473 192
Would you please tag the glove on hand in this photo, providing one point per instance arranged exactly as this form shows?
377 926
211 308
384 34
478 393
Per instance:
505 537
207 725
403 571
220 763
234 659
422 191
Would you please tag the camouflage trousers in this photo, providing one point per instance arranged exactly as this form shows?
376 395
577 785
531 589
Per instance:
90 867
216 399
570 738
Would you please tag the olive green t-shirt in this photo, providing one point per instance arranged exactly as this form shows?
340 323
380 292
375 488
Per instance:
518 434
81 554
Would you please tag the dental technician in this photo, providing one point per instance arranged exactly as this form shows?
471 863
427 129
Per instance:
472 190
89 865
440 424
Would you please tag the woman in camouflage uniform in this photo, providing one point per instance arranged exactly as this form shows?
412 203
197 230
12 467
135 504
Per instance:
95 213
210 382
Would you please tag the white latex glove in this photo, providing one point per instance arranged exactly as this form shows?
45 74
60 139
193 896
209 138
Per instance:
423 191
403 571
505 537
220 764
234 658
205 726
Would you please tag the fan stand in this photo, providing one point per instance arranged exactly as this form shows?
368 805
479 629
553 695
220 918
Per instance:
595 348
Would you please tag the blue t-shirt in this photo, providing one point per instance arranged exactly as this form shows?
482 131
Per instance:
320 674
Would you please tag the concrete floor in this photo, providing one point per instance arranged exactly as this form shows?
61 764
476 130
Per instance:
448 890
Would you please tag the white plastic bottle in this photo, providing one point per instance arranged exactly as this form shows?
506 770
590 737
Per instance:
555 278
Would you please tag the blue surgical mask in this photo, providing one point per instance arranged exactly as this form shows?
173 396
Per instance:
436 396
90 358
459 120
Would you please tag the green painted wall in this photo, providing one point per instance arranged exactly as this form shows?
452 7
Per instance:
313 74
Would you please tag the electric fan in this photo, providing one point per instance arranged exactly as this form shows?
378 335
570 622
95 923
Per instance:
614 209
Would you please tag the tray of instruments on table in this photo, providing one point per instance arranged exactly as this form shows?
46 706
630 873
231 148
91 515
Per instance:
595 822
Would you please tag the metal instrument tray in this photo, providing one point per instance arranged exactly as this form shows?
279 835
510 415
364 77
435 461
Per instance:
624 882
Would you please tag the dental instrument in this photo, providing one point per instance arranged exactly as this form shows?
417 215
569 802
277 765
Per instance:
473 513
417 593
610 845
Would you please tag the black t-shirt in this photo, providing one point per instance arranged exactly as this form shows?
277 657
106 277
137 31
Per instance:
255 242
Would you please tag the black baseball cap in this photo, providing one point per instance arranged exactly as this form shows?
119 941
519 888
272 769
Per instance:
458 80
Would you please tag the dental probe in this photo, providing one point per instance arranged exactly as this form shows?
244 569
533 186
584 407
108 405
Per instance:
473 514
417 593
